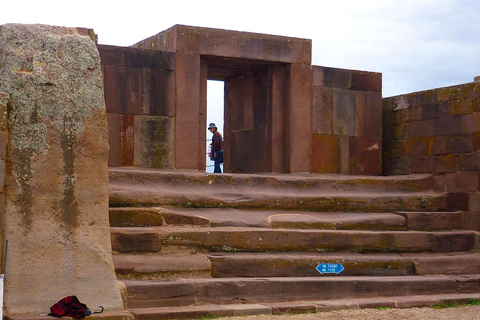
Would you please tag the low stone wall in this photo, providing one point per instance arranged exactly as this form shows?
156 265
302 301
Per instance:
437 131
140 101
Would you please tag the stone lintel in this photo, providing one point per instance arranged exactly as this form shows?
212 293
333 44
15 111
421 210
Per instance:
232 44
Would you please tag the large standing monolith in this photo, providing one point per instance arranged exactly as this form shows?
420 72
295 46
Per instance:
56 175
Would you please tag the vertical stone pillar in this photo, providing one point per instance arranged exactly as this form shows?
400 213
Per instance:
56 182
299 118
202 134
276 126
187 127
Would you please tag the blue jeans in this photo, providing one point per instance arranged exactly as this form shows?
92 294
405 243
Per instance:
218 159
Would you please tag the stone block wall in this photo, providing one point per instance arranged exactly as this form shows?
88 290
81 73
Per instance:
437 131
140 100
346 121
281 113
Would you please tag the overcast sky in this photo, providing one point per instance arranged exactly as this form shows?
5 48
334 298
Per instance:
415 44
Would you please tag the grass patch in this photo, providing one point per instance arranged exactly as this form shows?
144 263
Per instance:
207 317
455 304
196 205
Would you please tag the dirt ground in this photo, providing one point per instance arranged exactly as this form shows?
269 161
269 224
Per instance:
457 313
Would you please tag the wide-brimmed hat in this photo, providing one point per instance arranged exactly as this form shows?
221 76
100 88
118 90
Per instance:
212 125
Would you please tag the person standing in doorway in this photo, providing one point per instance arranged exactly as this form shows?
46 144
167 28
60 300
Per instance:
217 147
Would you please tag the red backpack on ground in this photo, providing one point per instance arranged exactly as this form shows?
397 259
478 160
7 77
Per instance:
70 307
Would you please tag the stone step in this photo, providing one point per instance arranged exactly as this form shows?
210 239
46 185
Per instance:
298 307
433 221
296 192
189 292
223 217
273 308
238 239
297 264
187 179
167 266
355 264
105 315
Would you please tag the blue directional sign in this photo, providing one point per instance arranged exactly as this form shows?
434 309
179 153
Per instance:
329 268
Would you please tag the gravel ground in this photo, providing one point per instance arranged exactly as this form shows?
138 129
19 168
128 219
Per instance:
458 313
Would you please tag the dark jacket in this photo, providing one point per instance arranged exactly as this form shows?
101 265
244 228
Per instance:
217 141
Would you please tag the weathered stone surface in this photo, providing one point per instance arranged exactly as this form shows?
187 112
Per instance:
135 217
135 239
322 106
439 145
338 221
433 220
470 161
259 240
56 216
278 110
127 144
419 147
154 142
136 266
369 114
462 181
420 129
114 139
299 115
255 191
227 43
470 123
301 264
447 126
3 144
187 126
185 312
460 143
159 92
366 81
461 263
457 201
459 107
344 112
111 55
455 241
423 164
365 156
230 291
291 307
325 154
447 163
145 294
123 93
331 77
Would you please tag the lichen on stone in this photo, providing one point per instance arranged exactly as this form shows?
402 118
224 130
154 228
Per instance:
53 79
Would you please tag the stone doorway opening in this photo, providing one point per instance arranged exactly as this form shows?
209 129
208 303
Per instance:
215 114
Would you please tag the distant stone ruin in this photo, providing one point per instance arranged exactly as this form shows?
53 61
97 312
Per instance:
281 113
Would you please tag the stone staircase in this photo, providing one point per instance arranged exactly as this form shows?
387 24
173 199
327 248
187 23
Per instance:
189 244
